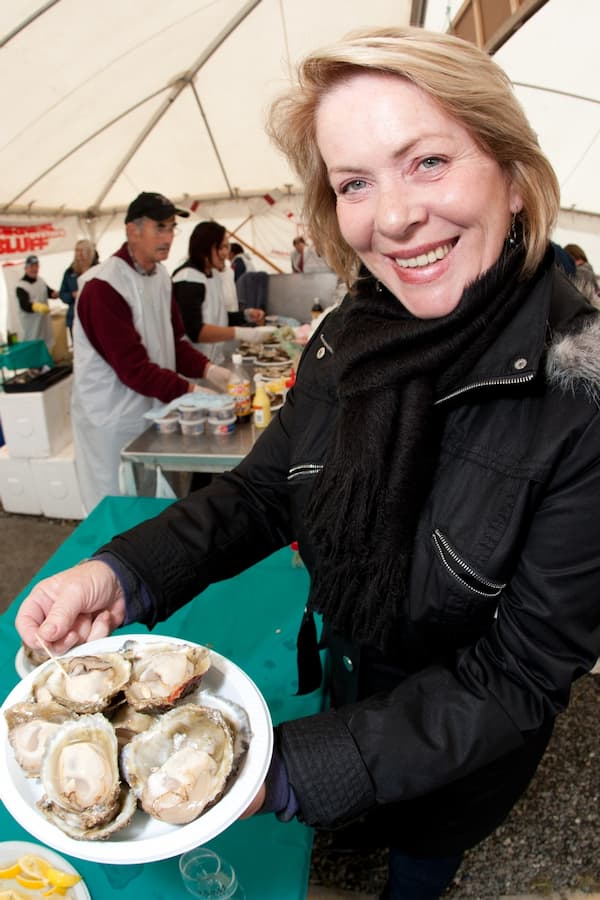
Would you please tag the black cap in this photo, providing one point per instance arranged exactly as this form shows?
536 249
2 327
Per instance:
31 260
153 206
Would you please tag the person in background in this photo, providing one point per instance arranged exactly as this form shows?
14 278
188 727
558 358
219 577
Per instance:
130 350
33 294
85 256
436 460
240 260
583 270
198 293
297 255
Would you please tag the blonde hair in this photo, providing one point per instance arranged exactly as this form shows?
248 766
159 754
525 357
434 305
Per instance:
465 83
90 250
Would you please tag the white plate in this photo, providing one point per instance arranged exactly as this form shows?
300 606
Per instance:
146 839
23 665
10 851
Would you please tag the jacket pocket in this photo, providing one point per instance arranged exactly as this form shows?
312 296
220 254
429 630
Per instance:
462 572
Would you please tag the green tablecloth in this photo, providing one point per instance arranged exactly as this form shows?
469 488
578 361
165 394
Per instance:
252 619
25 355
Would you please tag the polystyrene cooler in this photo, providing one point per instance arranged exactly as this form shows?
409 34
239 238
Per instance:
37 423
57 485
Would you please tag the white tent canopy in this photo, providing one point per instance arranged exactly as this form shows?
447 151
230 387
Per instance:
101 101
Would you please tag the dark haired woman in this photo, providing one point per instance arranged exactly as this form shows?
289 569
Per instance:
199 295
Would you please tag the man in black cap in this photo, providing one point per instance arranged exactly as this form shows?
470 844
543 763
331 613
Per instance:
130 349
32 302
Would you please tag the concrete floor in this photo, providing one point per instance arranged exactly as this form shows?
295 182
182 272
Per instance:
550 845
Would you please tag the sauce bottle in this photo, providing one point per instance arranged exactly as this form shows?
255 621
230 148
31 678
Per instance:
261 405
238 388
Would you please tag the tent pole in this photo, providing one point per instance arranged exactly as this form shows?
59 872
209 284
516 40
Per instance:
254 250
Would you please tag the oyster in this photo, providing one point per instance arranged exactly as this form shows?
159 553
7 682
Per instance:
181 764
163 672
30 726
128 722
80 777
85 684
236 716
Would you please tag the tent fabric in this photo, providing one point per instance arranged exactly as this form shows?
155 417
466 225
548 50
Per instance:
115 98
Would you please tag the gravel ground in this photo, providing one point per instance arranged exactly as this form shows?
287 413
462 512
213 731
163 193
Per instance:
551 841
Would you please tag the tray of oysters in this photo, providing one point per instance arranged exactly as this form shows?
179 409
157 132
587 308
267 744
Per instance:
133 748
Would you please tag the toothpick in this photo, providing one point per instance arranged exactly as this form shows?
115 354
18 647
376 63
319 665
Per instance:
54 658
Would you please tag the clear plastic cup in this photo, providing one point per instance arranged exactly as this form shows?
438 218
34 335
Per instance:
208 876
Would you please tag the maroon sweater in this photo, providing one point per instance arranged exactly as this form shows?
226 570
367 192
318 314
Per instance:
107 321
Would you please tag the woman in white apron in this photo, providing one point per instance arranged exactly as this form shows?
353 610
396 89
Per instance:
199 295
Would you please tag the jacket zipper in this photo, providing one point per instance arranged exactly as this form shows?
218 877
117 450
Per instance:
495 587
304 469
513 379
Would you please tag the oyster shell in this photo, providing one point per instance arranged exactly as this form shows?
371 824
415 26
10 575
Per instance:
30 726
236 716
181 764
80 777
85 684
128 722
163 672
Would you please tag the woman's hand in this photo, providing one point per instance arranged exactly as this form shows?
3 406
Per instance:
256 805
75 606
255 315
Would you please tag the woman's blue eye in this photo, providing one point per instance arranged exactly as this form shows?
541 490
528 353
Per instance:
355 185
430 162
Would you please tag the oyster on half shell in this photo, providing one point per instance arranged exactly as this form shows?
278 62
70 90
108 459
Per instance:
85 684
163 672
30 726
181 764
80 776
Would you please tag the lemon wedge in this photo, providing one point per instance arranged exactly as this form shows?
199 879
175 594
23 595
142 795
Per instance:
11 871
33 867
12 895
61 879
32 884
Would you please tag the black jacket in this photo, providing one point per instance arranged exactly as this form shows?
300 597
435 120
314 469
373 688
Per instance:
503 612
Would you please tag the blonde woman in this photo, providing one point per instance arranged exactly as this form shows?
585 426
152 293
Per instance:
437 462
84 257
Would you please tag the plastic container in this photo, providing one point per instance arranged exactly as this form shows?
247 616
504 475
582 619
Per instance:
191 412
261 405
192 427
238 389
167 424
221 427
221 408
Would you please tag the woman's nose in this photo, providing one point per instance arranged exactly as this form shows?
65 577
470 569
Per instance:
399 210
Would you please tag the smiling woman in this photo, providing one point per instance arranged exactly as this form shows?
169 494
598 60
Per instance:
436 461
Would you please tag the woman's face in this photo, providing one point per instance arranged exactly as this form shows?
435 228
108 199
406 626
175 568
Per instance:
218 254
423 207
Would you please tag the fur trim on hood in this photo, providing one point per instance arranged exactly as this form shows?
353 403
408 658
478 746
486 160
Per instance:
573 361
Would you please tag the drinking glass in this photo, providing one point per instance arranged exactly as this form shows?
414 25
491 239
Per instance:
208 876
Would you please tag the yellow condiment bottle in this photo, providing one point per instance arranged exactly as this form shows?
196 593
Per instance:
261 405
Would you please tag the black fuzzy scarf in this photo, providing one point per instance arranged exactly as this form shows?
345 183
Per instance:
363 510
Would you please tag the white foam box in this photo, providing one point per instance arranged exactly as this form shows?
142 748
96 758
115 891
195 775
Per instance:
37 423
57 485
17 488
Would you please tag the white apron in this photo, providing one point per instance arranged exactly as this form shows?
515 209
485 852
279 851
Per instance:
35 326
213 309
106 414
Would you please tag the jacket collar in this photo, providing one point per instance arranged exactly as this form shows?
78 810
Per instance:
519 352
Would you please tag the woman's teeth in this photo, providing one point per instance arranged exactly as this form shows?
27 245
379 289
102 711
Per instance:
425 259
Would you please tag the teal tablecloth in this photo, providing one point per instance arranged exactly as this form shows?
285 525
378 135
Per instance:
25 355
253 620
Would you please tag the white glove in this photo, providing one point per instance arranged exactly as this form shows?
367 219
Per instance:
253 335
218 376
